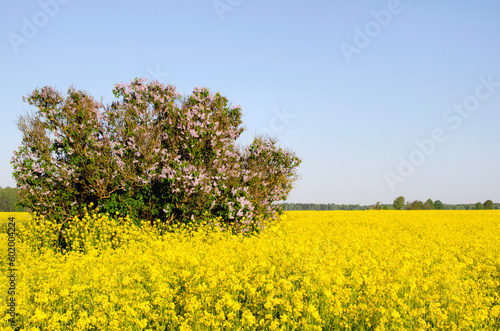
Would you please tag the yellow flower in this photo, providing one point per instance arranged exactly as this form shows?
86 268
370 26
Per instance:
310 270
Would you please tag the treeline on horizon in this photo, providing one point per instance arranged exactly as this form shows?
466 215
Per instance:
8 200
415 205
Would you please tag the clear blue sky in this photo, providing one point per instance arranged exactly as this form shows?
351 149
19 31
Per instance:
349 86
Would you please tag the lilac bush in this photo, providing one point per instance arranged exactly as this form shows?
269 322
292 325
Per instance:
151 155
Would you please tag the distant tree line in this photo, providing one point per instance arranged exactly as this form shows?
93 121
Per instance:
321 206
399 204
8 199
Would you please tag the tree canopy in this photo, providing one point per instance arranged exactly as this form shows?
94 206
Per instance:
152 154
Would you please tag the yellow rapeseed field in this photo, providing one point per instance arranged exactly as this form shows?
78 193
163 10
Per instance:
20 217
331 270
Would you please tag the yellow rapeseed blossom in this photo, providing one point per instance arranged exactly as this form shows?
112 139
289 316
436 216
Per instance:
366 270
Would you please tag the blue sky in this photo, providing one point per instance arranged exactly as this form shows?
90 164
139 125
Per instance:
379 98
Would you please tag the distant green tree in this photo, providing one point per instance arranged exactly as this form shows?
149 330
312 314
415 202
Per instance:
488 204
429 204
8 199
385 207
438 205
399 203
479 206
417 205
378 206
4 201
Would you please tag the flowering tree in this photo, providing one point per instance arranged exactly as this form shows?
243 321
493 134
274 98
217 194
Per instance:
151 154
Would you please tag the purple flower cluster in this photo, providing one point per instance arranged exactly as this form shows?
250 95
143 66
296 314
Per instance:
152 154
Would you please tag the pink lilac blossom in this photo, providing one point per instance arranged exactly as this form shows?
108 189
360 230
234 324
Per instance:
150 136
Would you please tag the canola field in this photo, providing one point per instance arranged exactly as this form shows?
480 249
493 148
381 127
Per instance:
21 218
330 270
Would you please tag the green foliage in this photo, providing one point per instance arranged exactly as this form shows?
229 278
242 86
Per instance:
488 204
428 205
8 200
399 203
416 205
438 205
